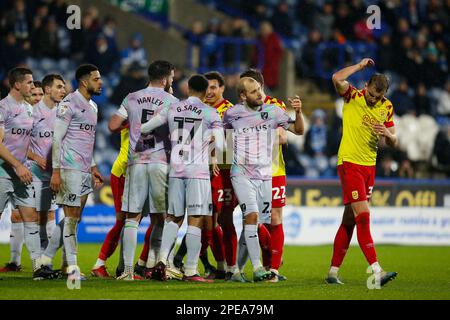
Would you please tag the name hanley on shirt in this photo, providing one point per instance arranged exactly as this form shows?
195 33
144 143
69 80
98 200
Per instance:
151 100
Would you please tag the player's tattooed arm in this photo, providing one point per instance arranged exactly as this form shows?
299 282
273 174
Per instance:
387 133
340 77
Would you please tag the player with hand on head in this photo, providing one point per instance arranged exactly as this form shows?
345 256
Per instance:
254 126
367 117
74 168
193 126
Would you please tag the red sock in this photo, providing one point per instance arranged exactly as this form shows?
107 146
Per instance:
230 244
264 242
341 243
217 246
144 252
111 240
364 237
276 245
206 240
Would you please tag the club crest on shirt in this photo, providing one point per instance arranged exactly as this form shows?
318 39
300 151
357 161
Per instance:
264 115
63 109
355 195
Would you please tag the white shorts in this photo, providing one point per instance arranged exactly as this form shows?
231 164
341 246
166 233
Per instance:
145 188
41 197
254 196
74 185
190 195
12 190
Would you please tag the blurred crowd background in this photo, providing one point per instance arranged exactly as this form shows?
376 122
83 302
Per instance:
411 47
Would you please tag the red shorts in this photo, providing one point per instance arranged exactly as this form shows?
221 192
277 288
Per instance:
278 191
223 196
357 181
117 185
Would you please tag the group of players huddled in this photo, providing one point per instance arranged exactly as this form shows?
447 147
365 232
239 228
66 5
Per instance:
173 162
199 157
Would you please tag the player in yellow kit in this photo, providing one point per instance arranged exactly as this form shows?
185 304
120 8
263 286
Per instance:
367 117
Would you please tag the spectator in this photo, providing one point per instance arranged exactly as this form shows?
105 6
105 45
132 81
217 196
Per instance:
282 21
134 53
402 100
421 100
102 55
17 21
315 159
441 148
47 42
110 30
133 80
272 52
308 57
82 38
387 167
432 73
443 104
11 52
385 52
324 21
58 9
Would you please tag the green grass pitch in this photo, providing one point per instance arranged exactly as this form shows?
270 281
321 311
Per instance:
423 273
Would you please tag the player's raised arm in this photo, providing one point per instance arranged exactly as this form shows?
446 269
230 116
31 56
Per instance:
298 127
340 77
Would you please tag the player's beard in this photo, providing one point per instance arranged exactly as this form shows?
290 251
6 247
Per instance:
94 92
255 104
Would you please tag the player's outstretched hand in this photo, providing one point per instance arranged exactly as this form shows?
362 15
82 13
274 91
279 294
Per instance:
24 174
215 169
366 62
296 103
55 181
97 177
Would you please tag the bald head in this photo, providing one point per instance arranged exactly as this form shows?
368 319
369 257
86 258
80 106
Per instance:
249 90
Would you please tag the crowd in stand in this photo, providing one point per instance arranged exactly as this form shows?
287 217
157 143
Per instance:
411 47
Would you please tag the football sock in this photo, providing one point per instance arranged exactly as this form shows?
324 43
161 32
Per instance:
111 240
144 253
341 244
264 242
130 230
70 240
168 238
155 245
242 252
32 241
217 247
181 250
16 239
251 238
230 244
364 237
276 246
193 244
55 242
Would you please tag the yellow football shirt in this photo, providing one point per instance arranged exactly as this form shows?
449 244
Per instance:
120 165
279 167
359 141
